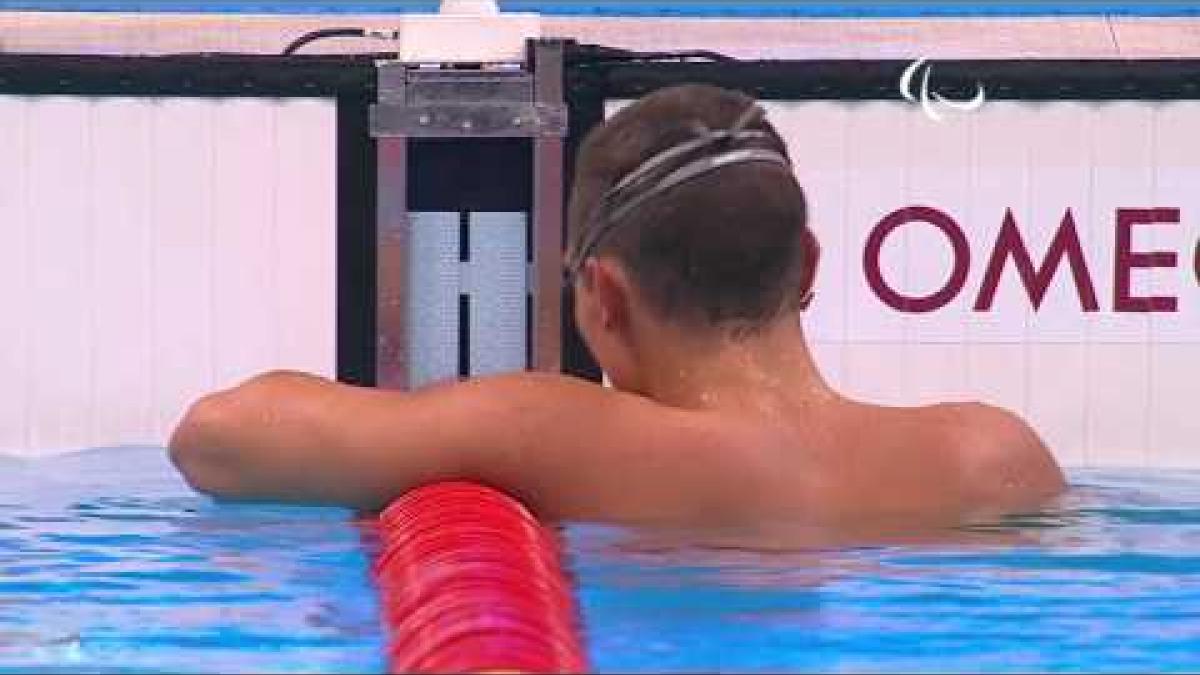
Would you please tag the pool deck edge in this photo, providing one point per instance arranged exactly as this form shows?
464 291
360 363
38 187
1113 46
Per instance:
819 38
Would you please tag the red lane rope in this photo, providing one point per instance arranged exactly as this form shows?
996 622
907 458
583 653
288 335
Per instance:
472 582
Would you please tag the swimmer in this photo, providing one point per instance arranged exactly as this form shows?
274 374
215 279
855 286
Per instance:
691 262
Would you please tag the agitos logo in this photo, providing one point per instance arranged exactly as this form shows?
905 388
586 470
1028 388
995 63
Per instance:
931 100
1036 276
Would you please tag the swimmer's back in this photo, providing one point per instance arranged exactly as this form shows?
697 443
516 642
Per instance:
576 451
943 462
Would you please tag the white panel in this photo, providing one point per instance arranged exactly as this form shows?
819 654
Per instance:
872 373
998 362
934 362
817 143
939 175
15 274
999 182
1059 181
499 289
123 184
1119 392
1104 388
305 235
1117 398
817 133
1174 424
877 140
1177 184
182 257
433 307
245 274
1058 390
830 358
1122 177
935 372
140 265
998 374
1175 359
62 223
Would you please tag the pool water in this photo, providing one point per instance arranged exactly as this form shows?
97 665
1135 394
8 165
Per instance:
108 563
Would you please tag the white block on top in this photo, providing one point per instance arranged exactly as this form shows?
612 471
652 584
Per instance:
466 31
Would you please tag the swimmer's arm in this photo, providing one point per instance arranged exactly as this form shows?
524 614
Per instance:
568 448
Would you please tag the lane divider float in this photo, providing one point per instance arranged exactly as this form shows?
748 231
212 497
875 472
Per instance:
471 582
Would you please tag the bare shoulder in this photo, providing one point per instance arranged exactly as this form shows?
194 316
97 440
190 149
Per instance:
1002 459
573 449
541 408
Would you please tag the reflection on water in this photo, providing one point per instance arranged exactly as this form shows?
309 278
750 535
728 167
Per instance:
109 564
1107 581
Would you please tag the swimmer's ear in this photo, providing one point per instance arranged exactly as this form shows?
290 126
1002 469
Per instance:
609 286
587 273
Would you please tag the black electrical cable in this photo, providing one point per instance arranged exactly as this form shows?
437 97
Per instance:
315 35
600 54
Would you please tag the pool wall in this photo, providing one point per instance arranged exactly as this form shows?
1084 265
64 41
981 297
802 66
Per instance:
153 249
910 315
237 180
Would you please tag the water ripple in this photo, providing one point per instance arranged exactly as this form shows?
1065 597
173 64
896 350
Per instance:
108 563
1109 582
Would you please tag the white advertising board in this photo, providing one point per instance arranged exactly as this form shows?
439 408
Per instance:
152 250
1039 256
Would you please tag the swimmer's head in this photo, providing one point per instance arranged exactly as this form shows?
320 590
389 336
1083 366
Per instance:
685 208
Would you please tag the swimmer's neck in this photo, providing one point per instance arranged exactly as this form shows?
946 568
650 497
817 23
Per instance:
682 369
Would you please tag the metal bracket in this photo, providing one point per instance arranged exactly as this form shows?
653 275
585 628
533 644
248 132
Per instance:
425 103
471 119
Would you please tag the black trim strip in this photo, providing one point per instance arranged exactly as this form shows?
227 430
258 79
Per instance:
356 241
464 336
188 75
464 236
1033 80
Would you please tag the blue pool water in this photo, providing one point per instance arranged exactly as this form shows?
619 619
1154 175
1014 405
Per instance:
775 8
109 564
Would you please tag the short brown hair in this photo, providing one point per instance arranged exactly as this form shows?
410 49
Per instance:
730 248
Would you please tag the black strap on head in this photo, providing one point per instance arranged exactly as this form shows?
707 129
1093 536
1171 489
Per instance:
710 151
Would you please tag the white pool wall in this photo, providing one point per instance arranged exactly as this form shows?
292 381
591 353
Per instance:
131 340
1109 387
152 250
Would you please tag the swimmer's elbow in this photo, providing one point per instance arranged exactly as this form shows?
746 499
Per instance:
199 450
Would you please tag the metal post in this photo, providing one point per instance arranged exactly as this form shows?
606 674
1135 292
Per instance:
391 353
547 65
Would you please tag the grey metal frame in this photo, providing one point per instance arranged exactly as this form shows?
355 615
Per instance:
391 353
548 209
523 102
